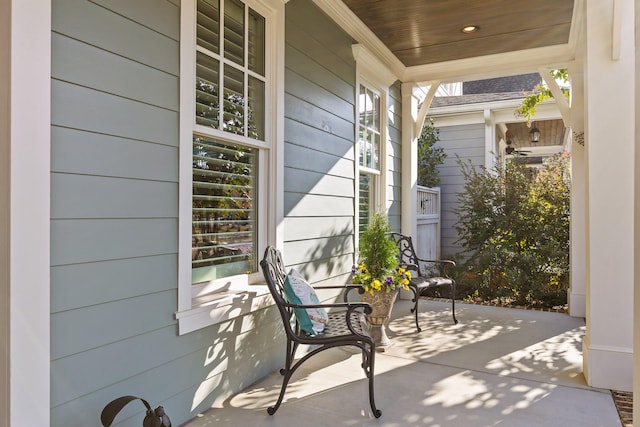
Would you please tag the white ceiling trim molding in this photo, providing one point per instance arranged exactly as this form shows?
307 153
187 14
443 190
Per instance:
370 65
349 22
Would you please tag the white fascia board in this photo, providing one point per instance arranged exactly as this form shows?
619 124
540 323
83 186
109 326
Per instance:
503 112
508 104
469 118
548 110
544 150
489 66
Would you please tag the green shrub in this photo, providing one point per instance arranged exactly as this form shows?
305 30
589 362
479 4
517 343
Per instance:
513 223
429 157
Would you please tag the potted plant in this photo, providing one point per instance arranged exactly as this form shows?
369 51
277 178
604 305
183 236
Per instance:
379 275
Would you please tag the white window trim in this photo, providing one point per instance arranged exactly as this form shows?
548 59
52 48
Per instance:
376 76
238 295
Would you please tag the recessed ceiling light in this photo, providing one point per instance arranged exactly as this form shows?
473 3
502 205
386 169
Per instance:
470 29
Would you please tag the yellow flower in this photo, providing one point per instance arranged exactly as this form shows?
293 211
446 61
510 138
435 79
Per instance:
376 284
408 275
401 270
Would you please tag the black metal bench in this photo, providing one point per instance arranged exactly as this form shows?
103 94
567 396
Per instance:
346 327
426 273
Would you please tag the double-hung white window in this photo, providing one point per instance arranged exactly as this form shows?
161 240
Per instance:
371 149
227 140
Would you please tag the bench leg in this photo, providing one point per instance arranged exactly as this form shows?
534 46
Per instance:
369 370
286 372
285 381
416 298
453 302
368 362
416 295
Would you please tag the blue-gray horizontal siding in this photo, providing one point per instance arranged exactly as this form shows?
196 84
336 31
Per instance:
114 226
464 142
319 144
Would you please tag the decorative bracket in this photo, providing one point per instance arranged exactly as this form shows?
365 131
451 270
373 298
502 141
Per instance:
424 108
561 100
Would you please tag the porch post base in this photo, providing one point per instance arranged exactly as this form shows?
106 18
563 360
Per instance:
577 304
608 367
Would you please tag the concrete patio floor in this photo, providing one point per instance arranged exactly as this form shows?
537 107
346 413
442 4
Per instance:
497 367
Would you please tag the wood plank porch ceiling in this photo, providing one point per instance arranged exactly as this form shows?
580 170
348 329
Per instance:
420 32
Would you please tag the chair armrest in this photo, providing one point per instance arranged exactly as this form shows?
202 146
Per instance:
348 286
350 306
439 261
410 267
443 265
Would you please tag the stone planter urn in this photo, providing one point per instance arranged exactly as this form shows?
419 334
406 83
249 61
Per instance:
382 304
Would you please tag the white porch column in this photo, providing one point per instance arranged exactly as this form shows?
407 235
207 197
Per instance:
409 159
25 128
578 289
489 140
609 126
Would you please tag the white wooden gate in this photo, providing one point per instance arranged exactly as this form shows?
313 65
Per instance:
427 241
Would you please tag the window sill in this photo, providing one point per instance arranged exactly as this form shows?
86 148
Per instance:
223 306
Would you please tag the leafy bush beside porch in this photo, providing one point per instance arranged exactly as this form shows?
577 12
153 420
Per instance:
514 226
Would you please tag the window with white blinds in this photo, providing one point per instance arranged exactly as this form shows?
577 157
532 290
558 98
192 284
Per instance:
230 84
365 200
368 148
224 195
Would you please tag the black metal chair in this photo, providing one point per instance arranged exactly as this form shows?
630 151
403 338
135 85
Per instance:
346 327
426 274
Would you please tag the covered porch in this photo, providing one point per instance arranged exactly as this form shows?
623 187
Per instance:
498 366
57 283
